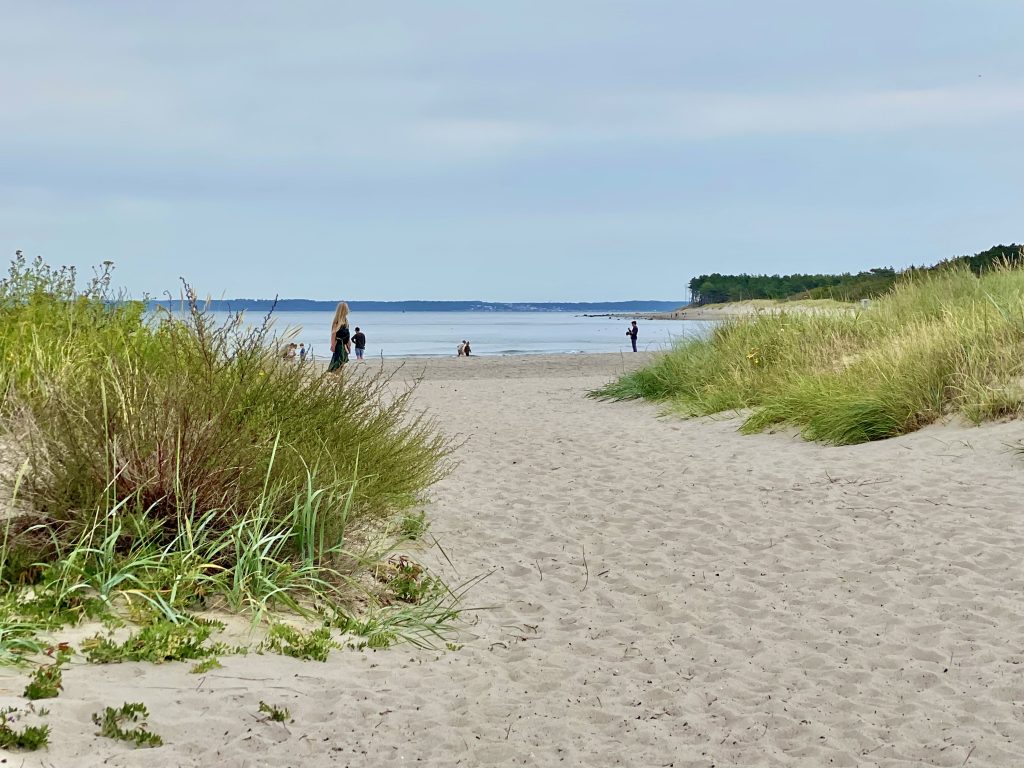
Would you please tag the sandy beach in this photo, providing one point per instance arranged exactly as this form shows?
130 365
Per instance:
745 309
659 593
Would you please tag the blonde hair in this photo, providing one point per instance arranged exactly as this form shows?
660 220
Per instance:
340 316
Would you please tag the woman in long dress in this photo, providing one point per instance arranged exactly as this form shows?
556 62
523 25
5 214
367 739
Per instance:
340 337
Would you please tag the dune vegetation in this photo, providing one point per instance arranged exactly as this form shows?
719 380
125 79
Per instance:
718 288
940 342
156 468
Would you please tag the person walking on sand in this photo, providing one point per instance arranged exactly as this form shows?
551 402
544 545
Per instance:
359 340
340 338
461 351
632 331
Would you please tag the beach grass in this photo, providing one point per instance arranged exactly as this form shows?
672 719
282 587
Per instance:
163 466
939 343
769 305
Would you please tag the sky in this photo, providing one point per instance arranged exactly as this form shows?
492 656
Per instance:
564 150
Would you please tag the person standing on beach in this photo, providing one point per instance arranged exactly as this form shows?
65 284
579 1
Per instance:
302 353
359 340
632 331
340 338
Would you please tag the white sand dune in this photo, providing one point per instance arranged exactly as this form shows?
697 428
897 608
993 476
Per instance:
660 593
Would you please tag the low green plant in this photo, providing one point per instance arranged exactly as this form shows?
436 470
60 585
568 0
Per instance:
275 713
206 665
414 526
408 581
157 642
29 738
316 644
45 683
113 725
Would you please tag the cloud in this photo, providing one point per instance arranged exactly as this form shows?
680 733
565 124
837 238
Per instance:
836 111
205 100
690 116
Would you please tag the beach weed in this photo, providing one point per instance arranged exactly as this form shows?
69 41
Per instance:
158 642
408 581
45 682
183 414
429 624
414 526
113 724
275 713
18 639
173 462
206 666
28 738
315 644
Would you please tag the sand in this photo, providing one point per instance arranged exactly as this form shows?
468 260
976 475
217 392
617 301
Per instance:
660 592
736 309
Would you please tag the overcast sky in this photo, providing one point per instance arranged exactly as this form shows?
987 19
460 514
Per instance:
555 150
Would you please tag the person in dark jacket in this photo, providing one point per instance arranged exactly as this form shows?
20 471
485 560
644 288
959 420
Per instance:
359 342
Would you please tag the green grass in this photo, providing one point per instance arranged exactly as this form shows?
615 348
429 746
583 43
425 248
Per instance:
941 343
275 713
174 464
207 665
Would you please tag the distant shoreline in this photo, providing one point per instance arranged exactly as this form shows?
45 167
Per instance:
739 309
313 305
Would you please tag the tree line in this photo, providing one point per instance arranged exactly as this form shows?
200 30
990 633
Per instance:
717 288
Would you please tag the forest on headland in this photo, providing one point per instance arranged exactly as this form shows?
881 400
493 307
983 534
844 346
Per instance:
718 289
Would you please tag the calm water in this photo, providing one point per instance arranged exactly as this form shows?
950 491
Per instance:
402 334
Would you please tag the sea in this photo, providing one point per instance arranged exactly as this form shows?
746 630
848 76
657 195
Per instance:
438 334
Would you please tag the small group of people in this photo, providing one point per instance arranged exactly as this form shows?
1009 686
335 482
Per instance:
293 350
342 340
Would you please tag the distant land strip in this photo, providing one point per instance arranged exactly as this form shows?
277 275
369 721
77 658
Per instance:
310 305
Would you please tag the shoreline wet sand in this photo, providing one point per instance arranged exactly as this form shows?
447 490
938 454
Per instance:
657 592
